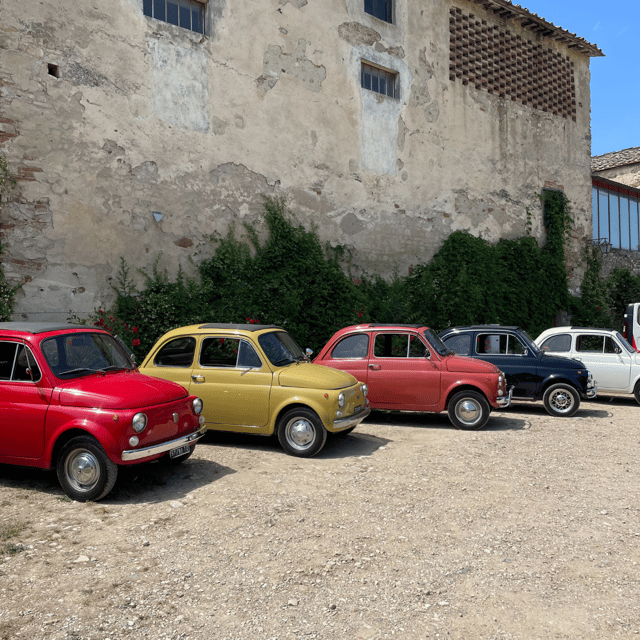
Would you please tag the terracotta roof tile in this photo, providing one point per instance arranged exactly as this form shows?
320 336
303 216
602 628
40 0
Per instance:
615 159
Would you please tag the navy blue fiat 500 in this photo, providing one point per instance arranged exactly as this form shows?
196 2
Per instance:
531 375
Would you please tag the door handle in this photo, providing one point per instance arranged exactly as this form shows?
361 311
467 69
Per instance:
375 367
197 378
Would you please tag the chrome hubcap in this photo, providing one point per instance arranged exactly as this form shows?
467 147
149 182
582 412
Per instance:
83 470
468 411
561 401
300 433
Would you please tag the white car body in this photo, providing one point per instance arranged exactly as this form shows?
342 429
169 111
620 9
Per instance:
612 361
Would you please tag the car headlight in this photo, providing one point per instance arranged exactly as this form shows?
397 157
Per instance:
341 400
139 422
197 406
365 390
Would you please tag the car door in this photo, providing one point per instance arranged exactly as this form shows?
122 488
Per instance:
351 354
24 401
608 362
512 357
403 373
233 382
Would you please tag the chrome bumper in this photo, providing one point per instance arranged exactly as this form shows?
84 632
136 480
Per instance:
592 393
147 452
504 401
351 421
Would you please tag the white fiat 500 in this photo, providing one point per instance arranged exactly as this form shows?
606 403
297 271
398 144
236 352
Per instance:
612 361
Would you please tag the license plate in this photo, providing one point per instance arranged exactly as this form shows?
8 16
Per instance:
174 453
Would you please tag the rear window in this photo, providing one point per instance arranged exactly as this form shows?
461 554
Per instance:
558 344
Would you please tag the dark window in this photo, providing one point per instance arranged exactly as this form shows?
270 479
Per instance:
248 356
399 345
557 344
590 343
219 352
494 344
379 80
459 344
188 14
352 347
381 9
17 363
176 353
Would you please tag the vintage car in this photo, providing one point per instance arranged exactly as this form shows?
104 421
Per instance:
255 379
72 398
406 367
531 375
613 362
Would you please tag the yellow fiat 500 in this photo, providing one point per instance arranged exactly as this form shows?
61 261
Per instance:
255 379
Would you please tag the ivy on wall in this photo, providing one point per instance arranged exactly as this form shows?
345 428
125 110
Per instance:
7 291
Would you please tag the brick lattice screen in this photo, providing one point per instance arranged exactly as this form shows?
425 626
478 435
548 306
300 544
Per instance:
494 60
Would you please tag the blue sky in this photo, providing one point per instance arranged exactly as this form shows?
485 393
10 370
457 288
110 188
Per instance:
615 94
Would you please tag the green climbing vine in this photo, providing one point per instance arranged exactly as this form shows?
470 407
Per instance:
7 291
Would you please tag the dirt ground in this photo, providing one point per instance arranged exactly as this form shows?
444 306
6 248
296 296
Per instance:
407 528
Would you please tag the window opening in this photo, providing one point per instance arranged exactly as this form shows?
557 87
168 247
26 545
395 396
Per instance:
188 14
379 80
381 9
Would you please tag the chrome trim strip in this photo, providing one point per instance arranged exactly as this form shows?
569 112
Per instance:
138 454
352 421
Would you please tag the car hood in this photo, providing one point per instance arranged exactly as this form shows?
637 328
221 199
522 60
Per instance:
314 376
118 390
555 362
462 364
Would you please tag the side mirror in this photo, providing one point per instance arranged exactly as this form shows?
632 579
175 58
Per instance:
308 352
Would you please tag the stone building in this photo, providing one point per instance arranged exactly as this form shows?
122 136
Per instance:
140 128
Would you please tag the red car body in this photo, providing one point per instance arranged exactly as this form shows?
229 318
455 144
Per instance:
62 384
406 367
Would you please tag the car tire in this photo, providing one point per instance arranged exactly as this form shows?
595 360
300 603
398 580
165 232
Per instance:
636 392
84 470
301 433
166 461
468 410
561 400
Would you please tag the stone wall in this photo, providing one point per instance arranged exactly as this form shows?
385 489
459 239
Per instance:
134 138
620 259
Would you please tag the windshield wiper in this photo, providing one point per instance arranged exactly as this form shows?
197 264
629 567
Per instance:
284 361
79 370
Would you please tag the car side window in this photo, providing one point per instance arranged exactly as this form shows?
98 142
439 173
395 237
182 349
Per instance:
351 347
587 342
399 345
219 352
499 344
178 352
557 344
247 356
610 345
460 344
17 363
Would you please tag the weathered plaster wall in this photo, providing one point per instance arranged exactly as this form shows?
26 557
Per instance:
149 138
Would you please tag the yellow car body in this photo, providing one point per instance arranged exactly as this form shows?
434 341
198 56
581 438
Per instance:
254 379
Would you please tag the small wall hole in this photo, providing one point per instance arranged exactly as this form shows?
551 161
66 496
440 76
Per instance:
54 70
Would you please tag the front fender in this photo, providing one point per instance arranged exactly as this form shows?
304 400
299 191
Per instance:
313 399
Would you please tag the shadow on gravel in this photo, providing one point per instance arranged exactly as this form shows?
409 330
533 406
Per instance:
497 421
354 444
589 409
30 479
152 482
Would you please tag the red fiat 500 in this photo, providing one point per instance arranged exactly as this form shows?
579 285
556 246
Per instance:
72 398
407 367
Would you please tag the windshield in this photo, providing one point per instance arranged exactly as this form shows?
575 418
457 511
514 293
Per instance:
624 343
280 348
436 343
76 354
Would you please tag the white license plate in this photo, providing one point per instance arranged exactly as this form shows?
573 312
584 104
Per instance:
174 453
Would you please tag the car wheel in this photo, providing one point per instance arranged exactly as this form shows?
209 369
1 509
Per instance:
166 461
636 392
561 400
468 410
84 469
301 433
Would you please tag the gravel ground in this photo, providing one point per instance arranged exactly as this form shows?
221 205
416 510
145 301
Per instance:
406 528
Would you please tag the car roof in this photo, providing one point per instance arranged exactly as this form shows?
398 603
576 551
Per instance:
474 327
560 329
236 327
41 327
